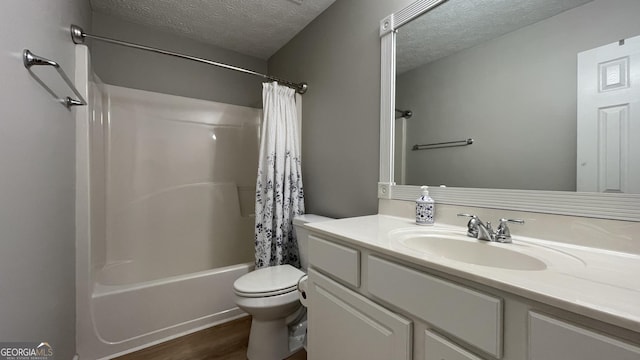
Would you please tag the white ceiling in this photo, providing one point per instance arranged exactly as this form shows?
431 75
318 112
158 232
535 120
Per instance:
460 24
251 27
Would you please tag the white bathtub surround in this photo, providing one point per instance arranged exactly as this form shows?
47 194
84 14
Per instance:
176 171
164 200
279 194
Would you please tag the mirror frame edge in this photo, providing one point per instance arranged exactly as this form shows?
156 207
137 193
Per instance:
594 205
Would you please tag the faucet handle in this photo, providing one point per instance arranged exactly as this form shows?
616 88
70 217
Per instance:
467 215
504 221
503 234
472 225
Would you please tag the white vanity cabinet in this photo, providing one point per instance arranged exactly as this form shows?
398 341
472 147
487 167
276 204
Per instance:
374 306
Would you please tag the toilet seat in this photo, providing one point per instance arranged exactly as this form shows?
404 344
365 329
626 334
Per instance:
269 281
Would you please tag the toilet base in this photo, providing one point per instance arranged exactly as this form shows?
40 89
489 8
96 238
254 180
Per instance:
269 340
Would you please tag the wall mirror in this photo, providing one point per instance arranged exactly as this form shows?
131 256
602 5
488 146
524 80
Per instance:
525 104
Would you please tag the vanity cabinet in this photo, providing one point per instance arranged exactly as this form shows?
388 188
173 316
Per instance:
367 305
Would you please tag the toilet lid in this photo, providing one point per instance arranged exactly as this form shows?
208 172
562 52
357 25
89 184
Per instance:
269 281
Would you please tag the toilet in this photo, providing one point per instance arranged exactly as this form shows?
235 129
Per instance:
270 296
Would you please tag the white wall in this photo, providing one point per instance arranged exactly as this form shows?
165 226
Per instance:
516 96
338 54
37 144
143 70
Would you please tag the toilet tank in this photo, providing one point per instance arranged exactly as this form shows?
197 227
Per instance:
302 235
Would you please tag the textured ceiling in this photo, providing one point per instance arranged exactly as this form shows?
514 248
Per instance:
460 24
252 27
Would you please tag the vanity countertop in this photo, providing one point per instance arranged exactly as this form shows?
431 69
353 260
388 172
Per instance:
600 284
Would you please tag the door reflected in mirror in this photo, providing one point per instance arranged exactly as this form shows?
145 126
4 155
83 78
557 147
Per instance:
549 91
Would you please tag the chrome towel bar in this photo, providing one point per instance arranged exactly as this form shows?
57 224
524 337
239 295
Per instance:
443 144
30 59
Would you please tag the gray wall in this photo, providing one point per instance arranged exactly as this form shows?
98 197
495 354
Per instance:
338 54
143 70
516 96
37 148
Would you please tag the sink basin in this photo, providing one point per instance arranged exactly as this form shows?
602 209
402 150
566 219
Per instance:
458 247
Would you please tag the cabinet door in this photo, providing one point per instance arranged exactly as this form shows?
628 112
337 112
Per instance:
345 325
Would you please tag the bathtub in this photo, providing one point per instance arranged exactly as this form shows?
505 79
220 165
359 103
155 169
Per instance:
125 318
156 259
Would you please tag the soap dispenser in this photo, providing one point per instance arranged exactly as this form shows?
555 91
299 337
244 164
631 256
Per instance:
425 207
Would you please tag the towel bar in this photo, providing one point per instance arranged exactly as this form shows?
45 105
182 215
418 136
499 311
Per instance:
443 144
30 59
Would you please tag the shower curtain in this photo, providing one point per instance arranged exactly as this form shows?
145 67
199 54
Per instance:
279 194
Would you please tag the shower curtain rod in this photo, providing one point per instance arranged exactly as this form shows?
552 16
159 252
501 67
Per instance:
78 36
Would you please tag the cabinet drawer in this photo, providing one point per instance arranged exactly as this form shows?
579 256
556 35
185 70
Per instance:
438 348
469 315
554 339
339 261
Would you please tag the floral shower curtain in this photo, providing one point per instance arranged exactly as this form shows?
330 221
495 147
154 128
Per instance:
279 194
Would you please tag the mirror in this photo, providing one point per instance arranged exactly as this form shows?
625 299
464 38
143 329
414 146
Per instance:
548 91
610 76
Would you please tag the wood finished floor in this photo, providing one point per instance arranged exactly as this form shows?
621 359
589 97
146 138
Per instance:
223 342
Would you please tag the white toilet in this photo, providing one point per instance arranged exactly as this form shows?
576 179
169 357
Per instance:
270 296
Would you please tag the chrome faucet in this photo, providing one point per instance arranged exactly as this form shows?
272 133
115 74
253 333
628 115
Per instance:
483 231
